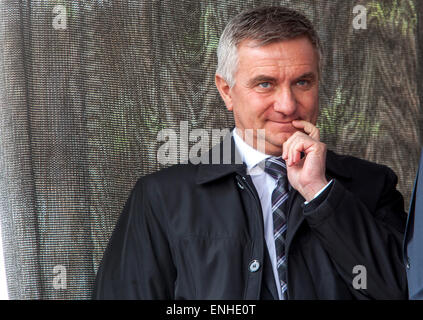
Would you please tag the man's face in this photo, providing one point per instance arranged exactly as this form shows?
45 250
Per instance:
274 85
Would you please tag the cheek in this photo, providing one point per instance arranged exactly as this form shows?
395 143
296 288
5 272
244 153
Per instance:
309 107
254 105
260 103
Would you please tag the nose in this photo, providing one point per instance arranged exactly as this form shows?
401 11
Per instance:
285 102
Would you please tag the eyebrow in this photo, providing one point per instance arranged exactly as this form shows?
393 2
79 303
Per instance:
307 75
263 78
260 78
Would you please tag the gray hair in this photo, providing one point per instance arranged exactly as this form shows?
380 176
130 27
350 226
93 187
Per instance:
263 25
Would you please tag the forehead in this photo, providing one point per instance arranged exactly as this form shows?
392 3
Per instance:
293 56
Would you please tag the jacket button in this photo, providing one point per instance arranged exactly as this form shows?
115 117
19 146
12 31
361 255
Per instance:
254 266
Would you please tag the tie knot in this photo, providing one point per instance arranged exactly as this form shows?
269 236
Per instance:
275 166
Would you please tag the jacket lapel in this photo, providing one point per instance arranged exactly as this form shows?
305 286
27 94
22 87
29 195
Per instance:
295 216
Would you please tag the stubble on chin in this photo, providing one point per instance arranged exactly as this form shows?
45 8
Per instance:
274 143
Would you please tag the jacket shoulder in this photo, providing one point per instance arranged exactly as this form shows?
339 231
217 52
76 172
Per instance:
357 167
173 177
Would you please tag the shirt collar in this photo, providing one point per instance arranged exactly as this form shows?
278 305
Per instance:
250 156
337 166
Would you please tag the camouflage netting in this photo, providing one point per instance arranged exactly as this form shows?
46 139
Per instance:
81 106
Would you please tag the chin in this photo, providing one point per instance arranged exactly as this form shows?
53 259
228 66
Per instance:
273 150
278 139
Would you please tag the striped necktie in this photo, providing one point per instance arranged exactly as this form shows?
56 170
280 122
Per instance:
276 168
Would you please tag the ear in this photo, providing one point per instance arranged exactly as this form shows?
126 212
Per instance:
224 90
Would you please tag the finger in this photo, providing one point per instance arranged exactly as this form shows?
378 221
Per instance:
291 151
285 150
286 154
298 147
308 128
286 146
295 150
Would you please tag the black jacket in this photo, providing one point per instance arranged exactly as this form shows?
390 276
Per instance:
196 232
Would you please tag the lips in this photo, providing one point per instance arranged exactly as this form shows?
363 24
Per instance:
282 126
282 122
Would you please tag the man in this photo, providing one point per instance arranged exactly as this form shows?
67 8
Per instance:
413 239
310 225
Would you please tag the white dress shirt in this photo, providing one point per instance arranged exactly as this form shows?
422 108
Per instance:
264 184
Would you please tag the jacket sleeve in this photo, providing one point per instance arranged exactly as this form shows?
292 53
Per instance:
355 236
137 263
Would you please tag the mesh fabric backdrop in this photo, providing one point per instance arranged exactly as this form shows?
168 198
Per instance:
81 108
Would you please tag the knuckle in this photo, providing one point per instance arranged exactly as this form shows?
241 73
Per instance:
321 146
296 134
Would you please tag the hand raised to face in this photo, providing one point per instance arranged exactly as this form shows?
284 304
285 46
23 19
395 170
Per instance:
305 174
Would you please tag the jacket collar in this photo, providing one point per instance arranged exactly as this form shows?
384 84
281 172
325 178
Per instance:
224 159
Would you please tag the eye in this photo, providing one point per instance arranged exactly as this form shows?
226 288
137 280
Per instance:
303 82
265 85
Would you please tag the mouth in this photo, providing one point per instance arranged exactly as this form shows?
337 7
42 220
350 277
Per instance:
282 126
282 123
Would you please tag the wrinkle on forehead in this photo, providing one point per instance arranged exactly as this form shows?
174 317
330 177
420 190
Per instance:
278 72
277 60
291 52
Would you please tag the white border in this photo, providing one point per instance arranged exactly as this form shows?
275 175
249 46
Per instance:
3 283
